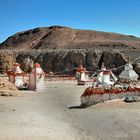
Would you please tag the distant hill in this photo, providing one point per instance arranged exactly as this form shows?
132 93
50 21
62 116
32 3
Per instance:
58 37
59 48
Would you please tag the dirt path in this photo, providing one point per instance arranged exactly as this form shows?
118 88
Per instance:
46 116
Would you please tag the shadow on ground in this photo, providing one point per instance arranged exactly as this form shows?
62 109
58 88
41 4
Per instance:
76 107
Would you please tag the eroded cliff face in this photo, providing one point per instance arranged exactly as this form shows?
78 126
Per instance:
61 60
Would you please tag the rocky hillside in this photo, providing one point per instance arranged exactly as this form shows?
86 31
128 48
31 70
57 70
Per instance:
57 37
59 48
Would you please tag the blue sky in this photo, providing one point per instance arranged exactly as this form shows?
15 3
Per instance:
121 16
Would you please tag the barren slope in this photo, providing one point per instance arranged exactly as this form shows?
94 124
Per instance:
66 38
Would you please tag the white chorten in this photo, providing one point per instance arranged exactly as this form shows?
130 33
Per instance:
128 73
16 76
37 78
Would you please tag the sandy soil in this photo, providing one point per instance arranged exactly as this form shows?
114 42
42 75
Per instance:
53 115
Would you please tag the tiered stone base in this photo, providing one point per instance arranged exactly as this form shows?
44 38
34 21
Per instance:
94 96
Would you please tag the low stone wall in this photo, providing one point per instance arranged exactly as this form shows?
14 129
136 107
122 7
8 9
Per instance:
93 99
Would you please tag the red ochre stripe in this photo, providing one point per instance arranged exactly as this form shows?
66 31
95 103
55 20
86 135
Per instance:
93 91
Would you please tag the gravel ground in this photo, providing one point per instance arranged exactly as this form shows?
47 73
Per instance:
54 115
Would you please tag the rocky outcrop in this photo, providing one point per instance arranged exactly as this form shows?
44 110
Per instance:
7 59
7 88
61 60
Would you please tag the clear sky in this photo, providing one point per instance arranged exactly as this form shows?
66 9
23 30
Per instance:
121 16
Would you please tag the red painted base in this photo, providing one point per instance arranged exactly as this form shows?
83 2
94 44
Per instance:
92 91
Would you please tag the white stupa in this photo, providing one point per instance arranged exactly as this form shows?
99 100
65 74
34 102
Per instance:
104 77
82 75
37 78
16 76
128 73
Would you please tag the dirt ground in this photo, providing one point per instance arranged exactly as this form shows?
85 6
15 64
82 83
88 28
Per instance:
54 115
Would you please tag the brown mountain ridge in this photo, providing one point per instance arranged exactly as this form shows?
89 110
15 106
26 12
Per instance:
58 37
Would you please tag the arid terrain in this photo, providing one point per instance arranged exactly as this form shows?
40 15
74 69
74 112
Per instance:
59 48
54 115
58 37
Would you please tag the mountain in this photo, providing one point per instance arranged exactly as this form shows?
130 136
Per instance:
59 48
58 37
